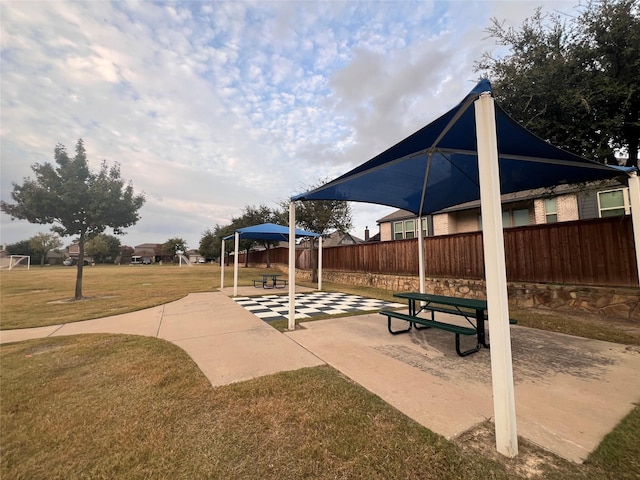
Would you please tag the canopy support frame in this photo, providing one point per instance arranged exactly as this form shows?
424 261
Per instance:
496 278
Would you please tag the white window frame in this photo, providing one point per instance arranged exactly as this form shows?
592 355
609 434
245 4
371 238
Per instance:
550 213
626 204
396 231
410 228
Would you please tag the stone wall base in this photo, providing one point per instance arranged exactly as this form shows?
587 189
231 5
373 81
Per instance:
613 302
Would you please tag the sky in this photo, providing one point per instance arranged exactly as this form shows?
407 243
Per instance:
210 107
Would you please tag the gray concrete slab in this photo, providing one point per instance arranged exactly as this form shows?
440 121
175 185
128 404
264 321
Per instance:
143 322
18 335
569 391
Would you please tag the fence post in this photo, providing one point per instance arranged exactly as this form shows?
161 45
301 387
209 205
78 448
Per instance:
634 197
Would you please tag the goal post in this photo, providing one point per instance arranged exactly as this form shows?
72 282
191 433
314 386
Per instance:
19 261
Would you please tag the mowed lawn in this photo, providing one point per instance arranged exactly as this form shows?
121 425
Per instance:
119 406
41 296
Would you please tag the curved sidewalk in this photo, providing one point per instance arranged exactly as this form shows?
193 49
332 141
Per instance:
228 343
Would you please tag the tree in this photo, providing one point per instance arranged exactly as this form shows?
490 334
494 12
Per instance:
23 247
574 82
209 248
43 243
103 247
77 201
257 216
322 216
174 245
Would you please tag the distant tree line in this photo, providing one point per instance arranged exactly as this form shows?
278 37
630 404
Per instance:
320 217
102 248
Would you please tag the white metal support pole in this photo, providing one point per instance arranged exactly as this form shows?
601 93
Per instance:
292 266
634 197
496 278
236 239
421 255
222 266
320 262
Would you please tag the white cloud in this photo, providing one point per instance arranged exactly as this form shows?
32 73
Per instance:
210 107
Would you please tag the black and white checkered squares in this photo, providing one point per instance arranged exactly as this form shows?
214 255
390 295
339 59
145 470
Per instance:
276 307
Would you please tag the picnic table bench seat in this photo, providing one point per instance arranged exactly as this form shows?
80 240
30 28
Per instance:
426 323
454 311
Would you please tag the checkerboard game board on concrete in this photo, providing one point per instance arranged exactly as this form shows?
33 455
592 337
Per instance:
276 307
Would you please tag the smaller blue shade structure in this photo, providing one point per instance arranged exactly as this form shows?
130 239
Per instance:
270 232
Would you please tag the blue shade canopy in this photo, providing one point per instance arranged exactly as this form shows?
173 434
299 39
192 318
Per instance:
437 167
269 232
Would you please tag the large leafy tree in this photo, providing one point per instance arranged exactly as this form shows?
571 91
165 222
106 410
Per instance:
43 243
574 81
77 201
322 216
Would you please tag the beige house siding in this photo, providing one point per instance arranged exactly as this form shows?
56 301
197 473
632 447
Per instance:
385 232
467 222
441 224
567 209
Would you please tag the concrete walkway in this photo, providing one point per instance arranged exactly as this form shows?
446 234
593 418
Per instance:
228 343
570 391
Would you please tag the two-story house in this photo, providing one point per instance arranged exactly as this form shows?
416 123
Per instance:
531 207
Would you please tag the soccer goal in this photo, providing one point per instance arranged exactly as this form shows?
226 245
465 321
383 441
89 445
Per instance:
19 261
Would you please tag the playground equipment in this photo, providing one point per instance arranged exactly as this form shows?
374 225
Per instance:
184 260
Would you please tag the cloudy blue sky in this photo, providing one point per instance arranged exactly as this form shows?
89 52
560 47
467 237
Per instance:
213 106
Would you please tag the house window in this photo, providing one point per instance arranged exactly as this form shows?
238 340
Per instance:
410 229
511 218
397 231
520 217
551 209
613 203
424 228
506 219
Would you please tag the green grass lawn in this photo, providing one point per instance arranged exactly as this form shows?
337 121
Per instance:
118 406
41 296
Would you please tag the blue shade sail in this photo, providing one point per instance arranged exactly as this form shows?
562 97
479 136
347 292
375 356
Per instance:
437 166
270 232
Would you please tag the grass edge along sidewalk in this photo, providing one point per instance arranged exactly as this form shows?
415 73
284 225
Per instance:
40 297
62 418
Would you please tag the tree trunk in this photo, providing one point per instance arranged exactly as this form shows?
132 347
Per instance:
80 266
632 160
632 135
314 262
268 259
42 260
246 258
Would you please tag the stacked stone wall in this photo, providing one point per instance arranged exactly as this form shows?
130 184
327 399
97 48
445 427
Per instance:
614 302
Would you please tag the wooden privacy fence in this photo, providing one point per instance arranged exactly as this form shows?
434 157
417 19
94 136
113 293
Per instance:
585 252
